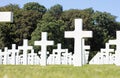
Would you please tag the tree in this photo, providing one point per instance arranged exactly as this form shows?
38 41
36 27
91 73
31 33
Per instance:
56 11
33 19
23 25
35 7
10 7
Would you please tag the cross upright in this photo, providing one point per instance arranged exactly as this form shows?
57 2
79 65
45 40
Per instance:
117 43
5 56
78 34
31 56
0 56
84 52
14 51
25 49
106 52
43 43
59 50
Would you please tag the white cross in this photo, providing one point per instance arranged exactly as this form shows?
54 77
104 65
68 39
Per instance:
40 53
0 56
78 34
70 58
117 43
25 48
5 53
59 50
31 57
6 17
65 57
44 43
14 51
106 52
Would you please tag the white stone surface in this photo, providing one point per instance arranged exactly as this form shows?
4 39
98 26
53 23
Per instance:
14 54
25 49
44 43
105 54
0 56
117 43
78 34
6 17
58 52
70 58
5 54
85 54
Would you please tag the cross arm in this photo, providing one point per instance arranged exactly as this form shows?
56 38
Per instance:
87 34
69 34
6 17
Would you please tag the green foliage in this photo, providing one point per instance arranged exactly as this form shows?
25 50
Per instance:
10 7
56 11
104 28
25 22
35 7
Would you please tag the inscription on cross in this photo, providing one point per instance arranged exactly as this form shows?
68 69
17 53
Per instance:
44 43
78 34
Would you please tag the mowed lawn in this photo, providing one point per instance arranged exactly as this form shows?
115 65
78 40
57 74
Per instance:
87 71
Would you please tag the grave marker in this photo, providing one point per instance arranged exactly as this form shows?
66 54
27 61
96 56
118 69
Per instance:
78 34
5 53
117 43
105 54
25 49
0 56
44 43
14 53
59 50
85 54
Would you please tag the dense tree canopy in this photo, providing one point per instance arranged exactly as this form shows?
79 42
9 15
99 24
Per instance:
34 18
35 7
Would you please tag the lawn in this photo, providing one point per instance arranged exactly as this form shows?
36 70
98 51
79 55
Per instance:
87 71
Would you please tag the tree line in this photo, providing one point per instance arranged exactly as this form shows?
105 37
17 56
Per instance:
34 18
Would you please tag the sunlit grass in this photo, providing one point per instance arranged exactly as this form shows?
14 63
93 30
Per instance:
87 71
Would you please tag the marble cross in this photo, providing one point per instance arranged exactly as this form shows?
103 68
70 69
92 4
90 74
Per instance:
117 43
44 43
105 52
5 56
59 50
78 34
85 54
14 54
25 49
1 56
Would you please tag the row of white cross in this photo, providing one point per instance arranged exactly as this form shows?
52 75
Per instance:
108 55
25 55
80 56
78 34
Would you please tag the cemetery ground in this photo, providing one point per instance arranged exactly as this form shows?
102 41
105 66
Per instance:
59 71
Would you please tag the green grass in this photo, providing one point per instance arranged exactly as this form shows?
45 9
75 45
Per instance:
87 71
